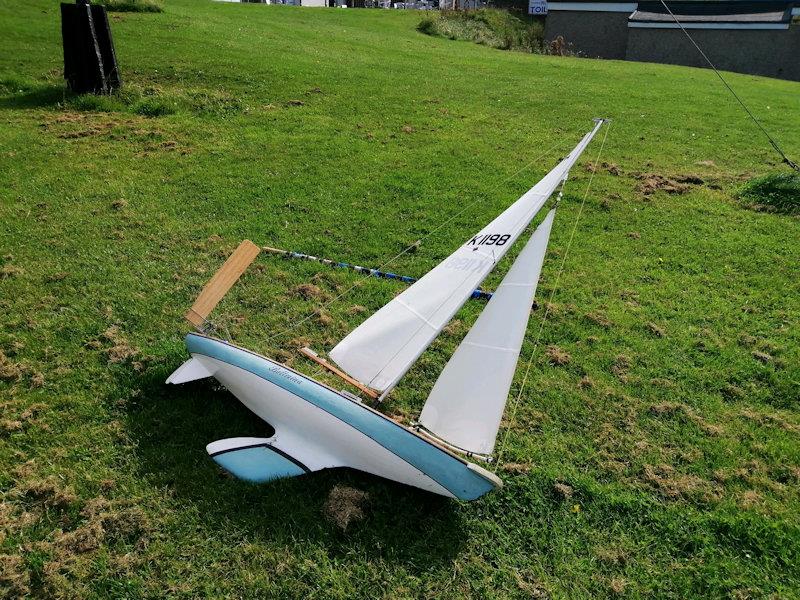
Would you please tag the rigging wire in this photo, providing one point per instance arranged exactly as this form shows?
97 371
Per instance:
416 244
516 402
772 141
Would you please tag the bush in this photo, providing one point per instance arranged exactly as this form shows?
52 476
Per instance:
132 6
488 26
776 192
428 26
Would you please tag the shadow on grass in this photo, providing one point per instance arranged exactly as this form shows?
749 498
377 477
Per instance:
172 425
39 96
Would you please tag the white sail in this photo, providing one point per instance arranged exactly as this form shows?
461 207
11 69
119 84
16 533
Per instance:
380 350
467 402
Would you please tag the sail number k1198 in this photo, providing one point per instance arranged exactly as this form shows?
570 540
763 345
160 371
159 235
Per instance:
489 239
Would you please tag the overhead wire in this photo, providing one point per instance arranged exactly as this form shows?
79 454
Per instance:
772 141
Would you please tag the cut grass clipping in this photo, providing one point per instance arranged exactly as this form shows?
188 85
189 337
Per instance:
776 192
490 27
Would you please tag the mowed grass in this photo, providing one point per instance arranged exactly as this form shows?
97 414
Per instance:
656 447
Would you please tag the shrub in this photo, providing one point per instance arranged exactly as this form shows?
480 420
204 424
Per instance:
132 6
428 26
488 26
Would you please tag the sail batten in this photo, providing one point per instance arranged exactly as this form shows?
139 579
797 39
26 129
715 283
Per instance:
382 349
466 404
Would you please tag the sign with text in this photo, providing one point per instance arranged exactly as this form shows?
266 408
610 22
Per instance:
537 7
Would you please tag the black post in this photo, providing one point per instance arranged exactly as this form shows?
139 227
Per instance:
90 62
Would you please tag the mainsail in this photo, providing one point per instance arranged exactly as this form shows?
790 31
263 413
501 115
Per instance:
380 350
467 401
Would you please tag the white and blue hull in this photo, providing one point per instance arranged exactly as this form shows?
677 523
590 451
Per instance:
318 428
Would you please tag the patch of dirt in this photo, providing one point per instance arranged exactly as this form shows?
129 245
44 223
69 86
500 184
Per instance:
10 425
119 520
299 342
14 575
86 538
49 492
9 271
769 419
667 384
586 383
680 409
308 291
9 370
112 127
762 357
295 103
530 587
656 330
608 167
119 204
557 356
650 183
37 380
750 499
618 585
517 468
408 129
356 309
598 318
322 317
621 366
755 474
284 357
674 485
120 350
60 276
345 505
563 490
611 556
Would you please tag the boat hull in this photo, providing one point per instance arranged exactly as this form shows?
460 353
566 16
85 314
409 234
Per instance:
320 428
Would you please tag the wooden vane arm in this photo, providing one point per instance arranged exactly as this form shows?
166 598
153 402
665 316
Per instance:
221 282
309 353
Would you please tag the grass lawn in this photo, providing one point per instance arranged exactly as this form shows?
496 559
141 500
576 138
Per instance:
661 458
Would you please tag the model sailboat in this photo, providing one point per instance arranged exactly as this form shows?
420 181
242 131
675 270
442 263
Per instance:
317 427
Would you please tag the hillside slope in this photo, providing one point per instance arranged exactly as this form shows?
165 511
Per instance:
656 448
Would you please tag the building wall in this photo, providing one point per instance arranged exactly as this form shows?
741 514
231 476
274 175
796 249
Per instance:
590 34
768 52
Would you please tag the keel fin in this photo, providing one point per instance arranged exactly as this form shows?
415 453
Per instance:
191 370
255 459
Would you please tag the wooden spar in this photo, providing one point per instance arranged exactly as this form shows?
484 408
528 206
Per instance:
478 293
309 353
221 282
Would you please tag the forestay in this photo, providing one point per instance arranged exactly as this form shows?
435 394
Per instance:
380 350
467 402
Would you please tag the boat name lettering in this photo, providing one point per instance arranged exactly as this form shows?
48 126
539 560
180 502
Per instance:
286 375
489 239
466 264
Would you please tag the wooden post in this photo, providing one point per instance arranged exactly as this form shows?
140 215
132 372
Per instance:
221 282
